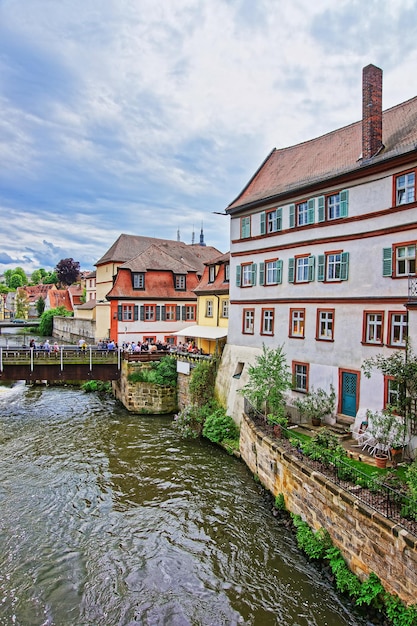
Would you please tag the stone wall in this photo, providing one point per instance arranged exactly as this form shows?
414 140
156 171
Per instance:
144 398
71 329
368 541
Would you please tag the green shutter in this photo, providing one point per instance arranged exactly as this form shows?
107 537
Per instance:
184 313
311 263
292 215
321 264
344 202
245 227
142 313
344 266
387 262
262 273
163 313
263 222
291 263
158 313
279 218
119 312
238 275
253 273
178 313
279 272
311 210
136 313
321 207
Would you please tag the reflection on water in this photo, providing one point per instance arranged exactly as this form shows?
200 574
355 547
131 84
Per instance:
110 519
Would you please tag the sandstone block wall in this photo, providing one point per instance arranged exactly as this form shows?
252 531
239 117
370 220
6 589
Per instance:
144 398
368 541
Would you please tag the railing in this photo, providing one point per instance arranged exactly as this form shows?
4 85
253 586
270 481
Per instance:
389 502
412 288
64 355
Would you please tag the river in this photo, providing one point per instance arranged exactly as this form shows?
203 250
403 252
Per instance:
110 519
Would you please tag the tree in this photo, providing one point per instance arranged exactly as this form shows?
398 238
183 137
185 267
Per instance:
40 305
21 272
46 323
36 277
50 278
22 304
67 271
16 281
269 379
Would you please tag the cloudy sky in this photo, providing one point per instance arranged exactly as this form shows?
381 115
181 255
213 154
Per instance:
148 116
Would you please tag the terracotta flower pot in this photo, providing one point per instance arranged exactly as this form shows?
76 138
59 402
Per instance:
381 460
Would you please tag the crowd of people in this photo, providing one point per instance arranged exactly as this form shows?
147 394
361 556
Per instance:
130 347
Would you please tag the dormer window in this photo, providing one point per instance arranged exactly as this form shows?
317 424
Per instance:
226 272
212 273
138 280
180 282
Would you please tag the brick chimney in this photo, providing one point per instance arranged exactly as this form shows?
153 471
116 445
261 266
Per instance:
371 111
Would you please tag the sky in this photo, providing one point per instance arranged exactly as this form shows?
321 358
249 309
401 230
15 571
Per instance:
148 117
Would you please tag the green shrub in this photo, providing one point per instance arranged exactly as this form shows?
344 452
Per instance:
203 377
96 385
219 426
279 502
314 544
189 421
163 372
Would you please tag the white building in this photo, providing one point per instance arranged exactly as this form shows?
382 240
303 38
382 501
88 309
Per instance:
323 241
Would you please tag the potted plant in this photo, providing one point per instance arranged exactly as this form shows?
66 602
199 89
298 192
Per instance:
388 431
316 404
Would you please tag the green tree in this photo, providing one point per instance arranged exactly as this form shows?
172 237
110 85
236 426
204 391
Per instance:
68 271
46 322
40 305
50 278
16 281
22 304
7 276
22 273
36 277
269 379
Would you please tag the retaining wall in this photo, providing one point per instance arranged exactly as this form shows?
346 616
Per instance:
144 398
368 541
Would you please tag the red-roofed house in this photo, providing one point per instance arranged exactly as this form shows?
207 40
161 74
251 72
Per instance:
323 242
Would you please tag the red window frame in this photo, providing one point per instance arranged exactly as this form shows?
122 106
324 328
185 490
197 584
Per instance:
294 375
263 311
318 336
365 327
244 312
290 329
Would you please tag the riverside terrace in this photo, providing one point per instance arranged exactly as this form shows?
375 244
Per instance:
71 363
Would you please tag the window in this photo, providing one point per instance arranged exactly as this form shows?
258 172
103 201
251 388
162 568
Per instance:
248 321
333 266
373 327
227 272
127 312
400 260
180 282
225 308
274 221
244 227
138 280
209 308
170 312
405 188
297 318
302 213
149 310
270 272
246 275
398 329
300 373
405 260
267 322
301 269
325 324
333 206
391 393
212 273
190 312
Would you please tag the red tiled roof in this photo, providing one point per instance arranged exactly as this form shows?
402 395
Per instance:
158 285
330 155
60 297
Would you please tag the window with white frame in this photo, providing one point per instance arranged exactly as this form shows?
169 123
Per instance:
227 272
297 321
225 308
138 280
271 272
247 272
302 213
248 321
127 312
274 221
209 308
267 322
391 393
405 188
333 206
180 282
170 312
325 324
405 260
300 376
212 273
333 266
373 327
190 312
149 310
302 269
398 329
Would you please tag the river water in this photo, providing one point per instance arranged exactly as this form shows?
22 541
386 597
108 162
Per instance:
110 519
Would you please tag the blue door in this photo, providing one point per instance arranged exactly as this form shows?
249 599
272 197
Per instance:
349 393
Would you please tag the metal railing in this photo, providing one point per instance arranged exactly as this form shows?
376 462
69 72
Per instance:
391 503
64 355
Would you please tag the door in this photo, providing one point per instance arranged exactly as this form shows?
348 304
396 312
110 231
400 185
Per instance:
349 393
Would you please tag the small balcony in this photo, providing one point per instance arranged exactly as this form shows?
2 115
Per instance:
412 289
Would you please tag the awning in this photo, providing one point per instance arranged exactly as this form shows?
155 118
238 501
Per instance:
202 332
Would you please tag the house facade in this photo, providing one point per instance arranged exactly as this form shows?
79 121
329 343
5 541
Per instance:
152 293
323 242
210 332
